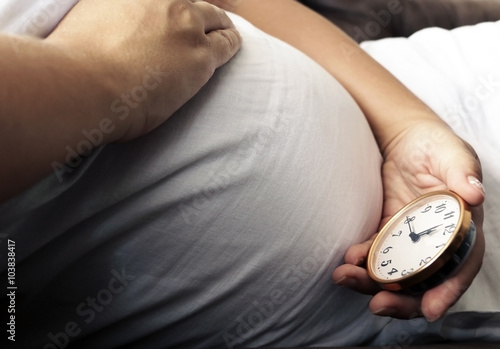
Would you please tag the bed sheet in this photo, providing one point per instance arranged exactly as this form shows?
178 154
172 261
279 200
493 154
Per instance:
457 73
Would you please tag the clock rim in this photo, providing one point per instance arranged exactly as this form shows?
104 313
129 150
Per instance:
438 261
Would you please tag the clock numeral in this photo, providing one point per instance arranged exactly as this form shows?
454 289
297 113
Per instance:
439 246
398 234
393 271
407 272
449 229
387 250
427 209
440 208
409 219
449 215
386 263
425 261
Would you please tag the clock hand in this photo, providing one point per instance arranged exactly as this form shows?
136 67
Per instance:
414 237
428 231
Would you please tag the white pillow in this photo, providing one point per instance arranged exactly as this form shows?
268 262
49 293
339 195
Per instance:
457 73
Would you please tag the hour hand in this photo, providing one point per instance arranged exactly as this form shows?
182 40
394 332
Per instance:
428 231
414 237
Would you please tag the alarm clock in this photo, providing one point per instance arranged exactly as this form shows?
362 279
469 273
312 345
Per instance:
423 244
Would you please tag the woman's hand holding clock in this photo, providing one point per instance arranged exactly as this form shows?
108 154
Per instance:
421 154
425 157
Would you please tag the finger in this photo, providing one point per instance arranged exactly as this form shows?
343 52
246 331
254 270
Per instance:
438 300
223 43
395 305
464 176
214 18
223 39
357 254
355 278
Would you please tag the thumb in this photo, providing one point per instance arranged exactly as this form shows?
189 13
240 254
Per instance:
464 176
223 39
224 44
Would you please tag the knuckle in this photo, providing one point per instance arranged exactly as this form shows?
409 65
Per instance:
232 38
202 63
183 13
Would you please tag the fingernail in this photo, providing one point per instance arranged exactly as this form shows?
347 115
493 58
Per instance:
432 319
339 281
346 281
385 312
433 312
359 261
476 183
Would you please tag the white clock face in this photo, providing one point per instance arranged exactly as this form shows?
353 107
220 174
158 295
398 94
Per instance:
416 238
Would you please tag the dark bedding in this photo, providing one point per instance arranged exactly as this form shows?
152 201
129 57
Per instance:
376 19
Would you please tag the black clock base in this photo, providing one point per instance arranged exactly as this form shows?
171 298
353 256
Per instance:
450 268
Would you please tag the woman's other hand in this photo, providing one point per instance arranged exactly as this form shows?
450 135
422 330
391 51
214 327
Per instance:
113 70
155 55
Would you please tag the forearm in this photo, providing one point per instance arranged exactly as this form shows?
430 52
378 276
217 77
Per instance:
387 104
47 99
104 74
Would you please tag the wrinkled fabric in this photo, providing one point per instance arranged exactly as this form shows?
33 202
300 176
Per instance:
220 228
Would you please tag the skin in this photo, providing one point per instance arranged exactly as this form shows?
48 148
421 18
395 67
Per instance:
55 88
421 153
102 50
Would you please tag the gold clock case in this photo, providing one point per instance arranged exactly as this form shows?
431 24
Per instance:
455 241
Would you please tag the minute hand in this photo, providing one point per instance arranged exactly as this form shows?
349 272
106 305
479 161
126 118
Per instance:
428 231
